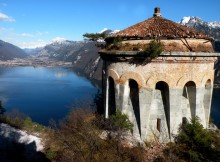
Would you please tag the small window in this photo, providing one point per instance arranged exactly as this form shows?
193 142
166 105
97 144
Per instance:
159 124
184 121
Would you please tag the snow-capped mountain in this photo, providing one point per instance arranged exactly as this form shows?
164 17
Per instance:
210 28
57 49
108 32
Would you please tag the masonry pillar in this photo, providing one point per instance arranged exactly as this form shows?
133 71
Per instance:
175 110
146 98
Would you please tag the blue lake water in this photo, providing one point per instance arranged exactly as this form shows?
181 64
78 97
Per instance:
44 93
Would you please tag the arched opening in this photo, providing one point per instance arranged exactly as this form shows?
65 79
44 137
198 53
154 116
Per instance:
189 93
164 95
134 97
111 97
207 98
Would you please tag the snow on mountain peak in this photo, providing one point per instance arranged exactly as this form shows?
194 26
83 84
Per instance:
58 40
189 19
108 32
185 20
103 30
214 24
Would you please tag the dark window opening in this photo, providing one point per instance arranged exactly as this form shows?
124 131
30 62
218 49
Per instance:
184 122
111 97
159 124
164 90
134 96
189 92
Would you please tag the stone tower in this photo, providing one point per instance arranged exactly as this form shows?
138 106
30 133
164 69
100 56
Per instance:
158 94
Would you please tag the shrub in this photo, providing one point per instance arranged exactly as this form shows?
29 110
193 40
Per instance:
114 43
120 121
116 122
154 49
79 140
194 143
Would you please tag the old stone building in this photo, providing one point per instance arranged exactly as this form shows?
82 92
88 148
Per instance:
158 94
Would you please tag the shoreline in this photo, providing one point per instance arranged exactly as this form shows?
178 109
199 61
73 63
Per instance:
35 62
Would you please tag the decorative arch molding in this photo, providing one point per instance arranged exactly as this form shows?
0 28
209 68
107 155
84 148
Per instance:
112 73
133 75
186 78
205 78
155 78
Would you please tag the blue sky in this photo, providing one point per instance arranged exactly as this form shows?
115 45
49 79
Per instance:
31 23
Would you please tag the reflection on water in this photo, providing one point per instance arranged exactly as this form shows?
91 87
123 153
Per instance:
43 93
60 74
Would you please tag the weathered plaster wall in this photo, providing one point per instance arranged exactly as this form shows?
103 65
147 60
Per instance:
176 72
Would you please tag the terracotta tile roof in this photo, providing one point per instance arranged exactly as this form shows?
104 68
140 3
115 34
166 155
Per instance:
158 26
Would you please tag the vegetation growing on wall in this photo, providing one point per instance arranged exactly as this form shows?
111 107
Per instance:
154 49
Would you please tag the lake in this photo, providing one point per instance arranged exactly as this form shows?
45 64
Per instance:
44 93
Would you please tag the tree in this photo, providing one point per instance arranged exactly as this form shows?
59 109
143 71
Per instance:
194 143
94 36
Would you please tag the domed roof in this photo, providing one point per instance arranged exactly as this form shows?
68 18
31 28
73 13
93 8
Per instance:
159 27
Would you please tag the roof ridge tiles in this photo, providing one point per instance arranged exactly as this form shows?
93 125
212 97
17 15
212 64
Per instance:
156 27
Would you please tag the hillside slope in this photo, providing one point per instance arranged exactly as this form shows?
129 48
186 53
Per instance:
87 62
9 51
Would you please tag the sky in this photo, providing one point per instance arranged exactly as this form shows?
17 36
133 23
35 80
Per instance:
33 23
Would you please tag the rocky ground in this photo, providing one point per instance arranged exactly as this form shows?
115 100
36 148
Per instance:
20 144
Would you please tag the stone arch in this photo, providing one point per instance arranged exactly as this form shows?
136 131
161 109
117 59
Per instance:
152 80
185 78
205 78
189 94
111 96
207 99
134 76
112 73
164 98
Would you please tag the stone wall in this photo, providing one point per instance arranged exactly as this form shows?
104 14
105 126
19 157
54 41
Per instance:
170 90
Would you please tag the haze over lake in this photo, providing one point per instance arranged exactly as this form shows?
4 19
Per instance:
44 93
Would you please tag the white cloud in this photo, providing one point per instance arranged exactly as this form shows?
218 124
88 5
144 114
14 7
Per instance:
26 35
32 44
42 33
4 17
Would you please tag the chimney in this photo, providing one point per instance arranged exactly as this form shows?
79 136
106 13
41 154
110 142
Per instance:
157 12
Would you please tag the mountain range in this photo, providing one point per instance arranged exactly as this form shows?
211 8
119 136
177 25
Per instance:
84 54
210 28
